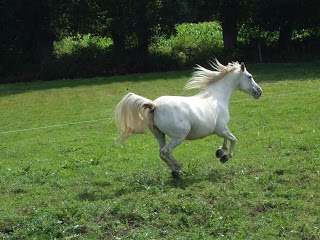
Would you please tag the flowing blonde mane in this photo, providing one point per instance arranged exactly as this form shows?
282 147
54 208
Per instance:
202 77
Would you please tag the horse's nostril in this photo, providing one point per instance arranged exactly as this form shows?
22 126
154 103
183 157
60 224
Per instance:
259 91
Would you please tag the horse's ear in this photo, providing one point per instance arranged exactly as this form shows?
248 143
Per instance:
243 67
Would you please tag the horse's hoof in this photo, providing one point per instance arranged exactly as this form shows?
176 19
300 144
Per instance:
224 158
176 174
219 153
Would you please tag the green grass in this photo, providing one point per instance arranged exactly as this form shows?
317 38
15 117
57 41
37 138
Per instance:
75 181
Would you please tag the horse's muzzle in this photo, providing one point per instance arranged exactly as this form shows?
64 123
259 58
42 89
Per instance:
257 93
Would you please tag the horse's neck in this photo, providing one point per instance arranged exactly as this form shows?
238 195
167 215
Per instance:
223 89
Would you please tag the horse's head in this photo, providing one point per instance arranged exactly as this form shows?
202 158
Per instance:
247 83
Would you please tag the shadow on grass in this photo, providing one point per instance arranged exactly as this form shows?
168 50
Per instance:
17 88
274 72
150 184
269 72
188 180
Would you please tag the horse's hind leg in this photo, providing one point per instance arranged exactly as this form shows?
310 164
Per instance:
222 149
166 149
166 155
161 138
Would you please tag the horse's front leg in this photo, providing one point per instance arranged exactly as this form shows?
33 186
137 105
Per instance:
228 135
222 149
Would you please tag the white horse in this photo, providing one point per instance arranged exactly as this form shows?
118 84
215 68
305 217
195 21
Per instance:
188 118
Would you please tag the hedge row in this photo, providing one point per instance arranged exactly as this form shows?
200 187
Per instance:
90 56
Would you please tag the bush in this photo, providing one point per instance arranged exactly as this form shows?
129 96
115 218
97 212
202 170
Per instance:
304 45
193 43
80 56
91 56
69 44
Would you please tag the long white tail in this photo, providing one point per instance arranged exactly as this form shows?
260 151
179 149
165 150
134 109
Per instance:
132 115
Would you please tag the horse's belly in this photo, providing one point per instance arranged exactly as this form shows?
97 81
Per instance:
200 131
195 136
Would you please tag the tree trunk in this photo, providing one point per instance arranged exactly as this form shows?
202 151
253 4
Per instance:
38 38
229 31
118 42
45 36
143 52
117 30
143 35
285 36
229 24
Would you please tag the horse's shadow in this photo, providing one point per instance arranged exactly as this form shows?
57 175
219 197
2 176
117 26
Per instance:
152 184
188 180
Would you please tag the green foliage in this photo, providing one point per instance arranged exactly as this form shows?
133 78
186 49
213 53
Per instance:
296 14
70 44
135 27
252 35
208 33
76 181
193 43
81 56
89 56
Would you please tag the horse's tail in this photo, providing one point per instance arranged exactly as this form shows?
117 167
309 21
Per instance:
132 115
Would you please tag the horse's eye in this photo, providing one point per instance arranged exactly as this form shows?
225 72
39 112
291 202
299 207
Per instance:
250 77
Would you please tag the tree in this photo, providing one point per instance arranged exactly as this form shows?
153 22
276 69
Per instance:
286 16
31 26
37 37
133 24
229 11
27 39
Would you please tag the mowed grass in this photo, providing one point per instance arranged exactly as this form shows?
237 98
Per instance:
75 182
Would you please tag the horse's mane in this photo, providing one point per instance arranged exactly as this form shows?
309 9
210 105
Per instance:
202 77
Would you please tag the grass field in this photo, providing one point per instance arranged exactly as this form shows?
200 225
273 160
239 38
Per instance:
73 181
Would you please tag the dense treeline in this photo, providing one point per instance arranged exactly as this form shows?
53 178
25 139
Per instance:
251 30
